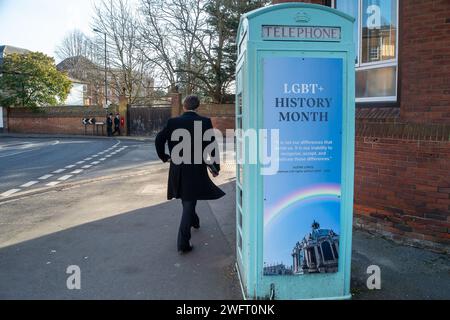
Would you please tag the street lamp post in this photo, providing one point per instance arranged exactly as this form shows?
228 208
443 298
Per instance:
106 67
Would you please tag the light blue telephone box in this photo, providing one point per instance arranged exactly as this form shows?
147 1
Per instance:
295 79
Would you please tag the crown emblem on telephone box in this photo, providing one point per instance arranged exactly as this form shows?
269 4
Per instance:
302 17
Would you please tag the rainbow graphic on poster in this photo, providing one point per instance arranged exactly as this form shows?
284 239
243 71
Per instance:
325 192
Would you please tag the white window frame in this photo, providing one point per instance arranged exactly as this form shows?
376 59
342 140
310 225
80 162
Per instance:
377 64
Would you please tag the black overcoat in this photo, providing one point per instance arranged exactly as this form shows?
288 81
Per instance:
187 181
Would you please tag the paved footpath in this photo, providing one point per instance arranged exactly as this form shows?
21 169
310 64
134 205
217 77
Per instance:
122 234
120 230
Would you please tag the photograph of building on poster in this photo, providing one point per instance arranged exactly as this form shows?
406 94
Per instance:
302 202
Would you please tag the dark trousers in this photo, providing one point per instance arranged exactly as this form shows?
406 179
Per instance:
116 129
109 131
188 220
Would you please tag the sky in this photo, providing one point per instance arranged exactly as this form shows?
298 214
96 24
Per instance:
40 25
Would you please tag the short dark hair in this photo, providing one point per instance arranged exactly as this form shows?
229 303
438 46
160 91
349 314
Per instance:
191 102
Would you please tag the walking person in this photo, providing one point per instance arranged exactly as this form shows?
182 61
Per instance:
188 181
117 124
109 124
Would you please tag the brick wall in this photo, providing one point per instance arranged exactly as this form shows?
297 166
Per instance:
402 189
222 115
425 61
402 169
53 120
402 177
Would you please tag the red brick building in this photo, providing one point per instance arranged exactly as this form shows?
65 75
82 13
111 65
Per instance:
402 178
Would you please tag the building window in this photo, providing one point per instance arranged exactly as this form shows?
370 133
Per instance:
327 252
376 34
335 251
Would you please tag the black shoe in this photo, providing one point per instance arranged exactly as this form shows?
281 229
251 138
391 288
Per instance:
196 225
187 250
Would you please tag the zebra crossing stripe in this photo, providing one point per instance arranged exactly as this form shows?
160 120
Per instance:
9 192
45 177
53 183
29 184
64 178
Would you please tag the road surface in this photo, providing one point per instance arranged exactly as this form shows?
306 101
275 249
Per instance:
27 164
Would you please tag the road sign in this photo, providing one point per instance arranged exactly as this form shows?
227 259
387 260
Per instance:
87 121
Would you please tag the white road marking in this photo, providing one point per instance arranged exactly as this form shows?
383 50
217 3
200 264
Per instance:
95 163
59 171
77 171
46 177
53 183
88 159
64 178
9 192
102 159
108 156
81 162
29 147
29 184
94 156
13 154
70 167
87 166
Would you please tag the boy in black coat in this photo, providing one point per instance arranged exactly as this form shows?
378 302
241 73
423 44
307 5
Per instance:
117 124
109 124
188 180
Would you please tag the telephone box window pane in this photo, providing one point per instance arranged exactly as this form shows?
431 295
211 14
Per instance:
240 218
378 82
241 175
239 200
240 197
239 155
239 242
239 103
379 30
350 7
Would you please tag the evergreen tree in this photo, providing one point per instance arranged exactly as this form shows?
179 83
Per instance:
32 80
